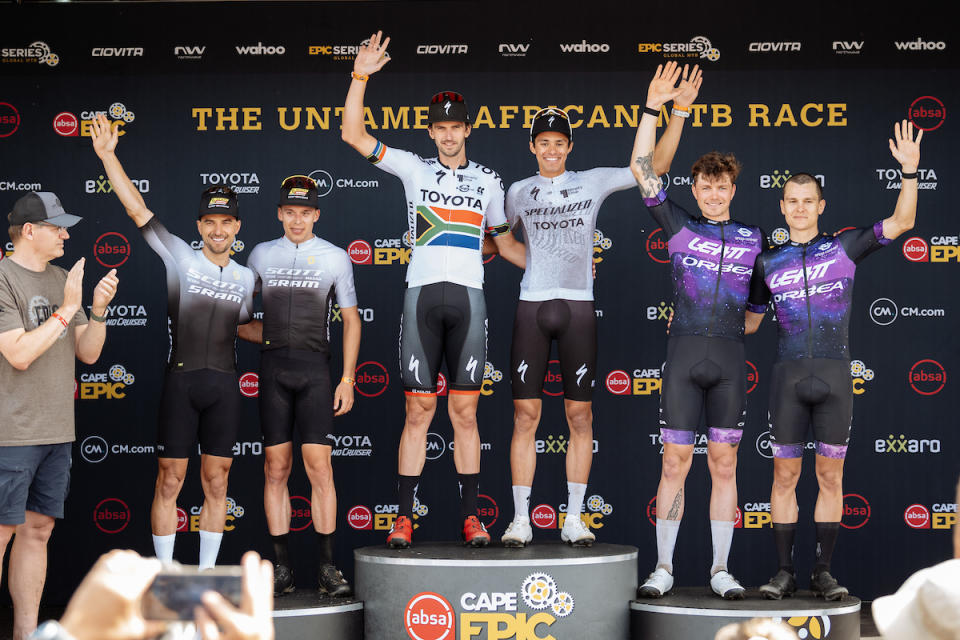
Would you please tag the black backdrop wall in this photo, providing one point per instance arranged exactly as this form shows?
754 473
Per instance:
246 94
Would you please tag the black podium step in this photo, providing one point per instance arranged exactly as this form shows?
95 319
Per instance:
695 612
304 615
443 591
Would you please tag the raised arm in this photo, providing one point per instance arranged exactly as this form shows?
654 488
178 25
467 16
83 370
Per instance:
906 151
105 140
666 148
369 60
90 336
662 88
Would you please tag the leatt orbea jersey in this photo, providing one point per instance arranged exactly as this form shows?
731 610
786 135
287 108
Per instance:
205 303
812 289
711 263
298 283
559 217
448 211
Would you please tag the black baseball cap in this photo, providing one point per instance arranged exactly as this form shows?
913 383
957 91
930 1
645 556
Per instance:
551 119
447 106
41 206
300 191
219 200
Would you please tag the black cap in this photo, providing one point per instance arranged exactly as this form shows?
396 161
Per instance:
300 191
447 106
551 119
219 200
43 206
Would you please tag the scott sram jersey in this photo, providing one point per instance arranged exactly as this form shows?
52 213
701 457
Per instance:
812 289
559 217
711 263
448 211
205 303
298 283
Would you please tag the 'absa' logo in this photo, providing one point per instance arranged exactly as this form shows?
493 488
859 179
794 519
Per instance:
111 249
856 511
111 515
301 516
927 377
916 250
360 517
917 516
553 380
543 516
618 382
360 252
429 616
657 247
927 113
250 384
371 379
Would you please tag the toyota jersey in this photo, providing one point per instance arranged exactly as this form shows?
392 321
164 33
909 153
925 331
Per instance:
298 283
711 264
812 289
448 211
559 216
205 303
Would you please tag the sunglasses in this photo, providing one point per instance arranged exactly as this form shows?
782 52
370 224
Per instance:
551 111
298 181
221 190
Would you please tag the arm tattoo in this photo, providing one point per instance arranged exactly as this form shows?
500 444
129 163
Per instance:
674 513
650 183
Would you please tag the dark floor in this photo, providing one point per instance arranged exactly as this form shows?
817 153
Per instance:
867 628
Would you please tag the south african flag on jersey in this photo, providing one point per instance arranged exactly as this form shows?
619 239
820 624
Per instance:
437 227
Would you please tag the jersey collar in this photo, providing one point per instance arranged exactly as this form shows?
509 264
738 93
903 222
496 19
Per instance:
465 165
814 240
287 243
560 179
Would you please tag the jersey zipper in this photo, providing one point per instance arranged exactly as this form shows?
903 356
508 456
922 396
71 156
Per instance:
213 310
806 297
716 290
296 252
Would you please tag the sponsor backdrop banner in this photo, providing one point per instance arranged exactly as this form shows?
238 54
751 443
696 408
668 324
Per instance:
245 94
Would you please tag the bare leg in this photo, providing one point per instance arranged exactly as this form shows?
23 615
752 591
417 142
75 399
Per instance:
278 460
28 571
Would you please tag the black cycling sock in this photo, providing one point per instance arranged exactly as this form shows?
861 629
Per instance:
783 535
281 551
407 487
826 541
325 548
469 488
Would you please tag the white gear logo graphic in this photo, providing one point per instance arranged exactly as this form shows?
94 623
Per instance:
117 372
562 605
539 591
595 502
857 368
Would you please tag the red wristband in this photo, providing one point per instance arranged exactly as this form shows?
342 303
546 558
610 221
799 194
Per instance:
60 318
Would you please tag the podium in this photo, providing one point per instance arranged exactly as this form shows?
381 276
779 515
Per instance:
303 615
444 591
695 612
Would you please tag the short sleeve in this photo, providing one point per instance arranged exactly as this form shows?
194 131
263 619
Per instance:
607 180
169 247
860 242
496 219
394 161
669 215
10 316
759 296
345 290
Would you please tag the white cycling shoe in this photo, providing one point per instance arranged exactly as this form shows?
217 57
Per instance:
576 533
726 586
658 583
518 533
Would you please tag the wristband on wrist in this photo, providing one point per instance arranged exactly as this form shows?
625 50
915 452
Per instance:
680 112
653 112
348 380
677 107
908 176
96 318
359 76
61 319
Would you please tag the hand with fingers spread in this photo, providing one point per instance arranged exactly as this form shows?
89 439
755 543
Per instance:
689 87
104 292
73 289
104 136
219 620
663 87
903 146
107 604
372 56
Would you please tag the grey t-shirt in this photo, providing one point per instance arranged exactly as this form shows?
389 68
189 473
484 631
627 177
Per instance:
37 404
559 216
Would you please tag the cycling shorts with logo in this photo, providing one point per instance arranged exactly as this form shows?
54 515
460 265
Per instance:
446 321
703 375
204 403
295 393
807 391
573 324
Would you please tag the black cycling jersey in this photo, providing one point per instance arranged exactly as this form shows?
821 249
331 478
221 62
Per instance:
205 303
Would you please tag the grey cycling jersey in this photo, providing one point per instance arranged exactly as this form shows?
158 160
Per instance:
559 216
205 303
298 283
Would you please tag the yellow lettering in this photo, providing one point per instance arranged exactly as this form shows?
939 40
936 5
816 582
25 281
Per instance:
398 120
507 113
251 119
806 119
420 117
759 112
835 114
223 118
858 386
368 118
721 115
697 111
632 118
756 520
316 119
201 113
282 112
570 109
598 115
529 110
484 117
785 115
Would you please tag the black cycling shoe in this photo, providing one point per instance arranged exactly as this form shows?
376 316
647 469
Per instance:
825 585
282 580
782 585
332 582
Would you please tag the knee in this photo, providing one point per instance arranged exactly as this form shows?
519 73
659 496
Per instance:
785 479
168 484
321 475
37 531
723 468
675 466
419 414
277 471
463 418
580 421
215 485
526 419
830 480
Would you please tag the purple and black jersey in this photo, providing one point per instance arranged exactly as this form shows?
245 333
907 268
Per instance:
712 264
812 289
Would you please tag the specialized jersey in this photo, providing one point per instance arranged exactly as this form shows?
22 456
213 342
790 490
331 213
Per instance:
712 263
812 289
298 284
448 211
559 216
205 303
